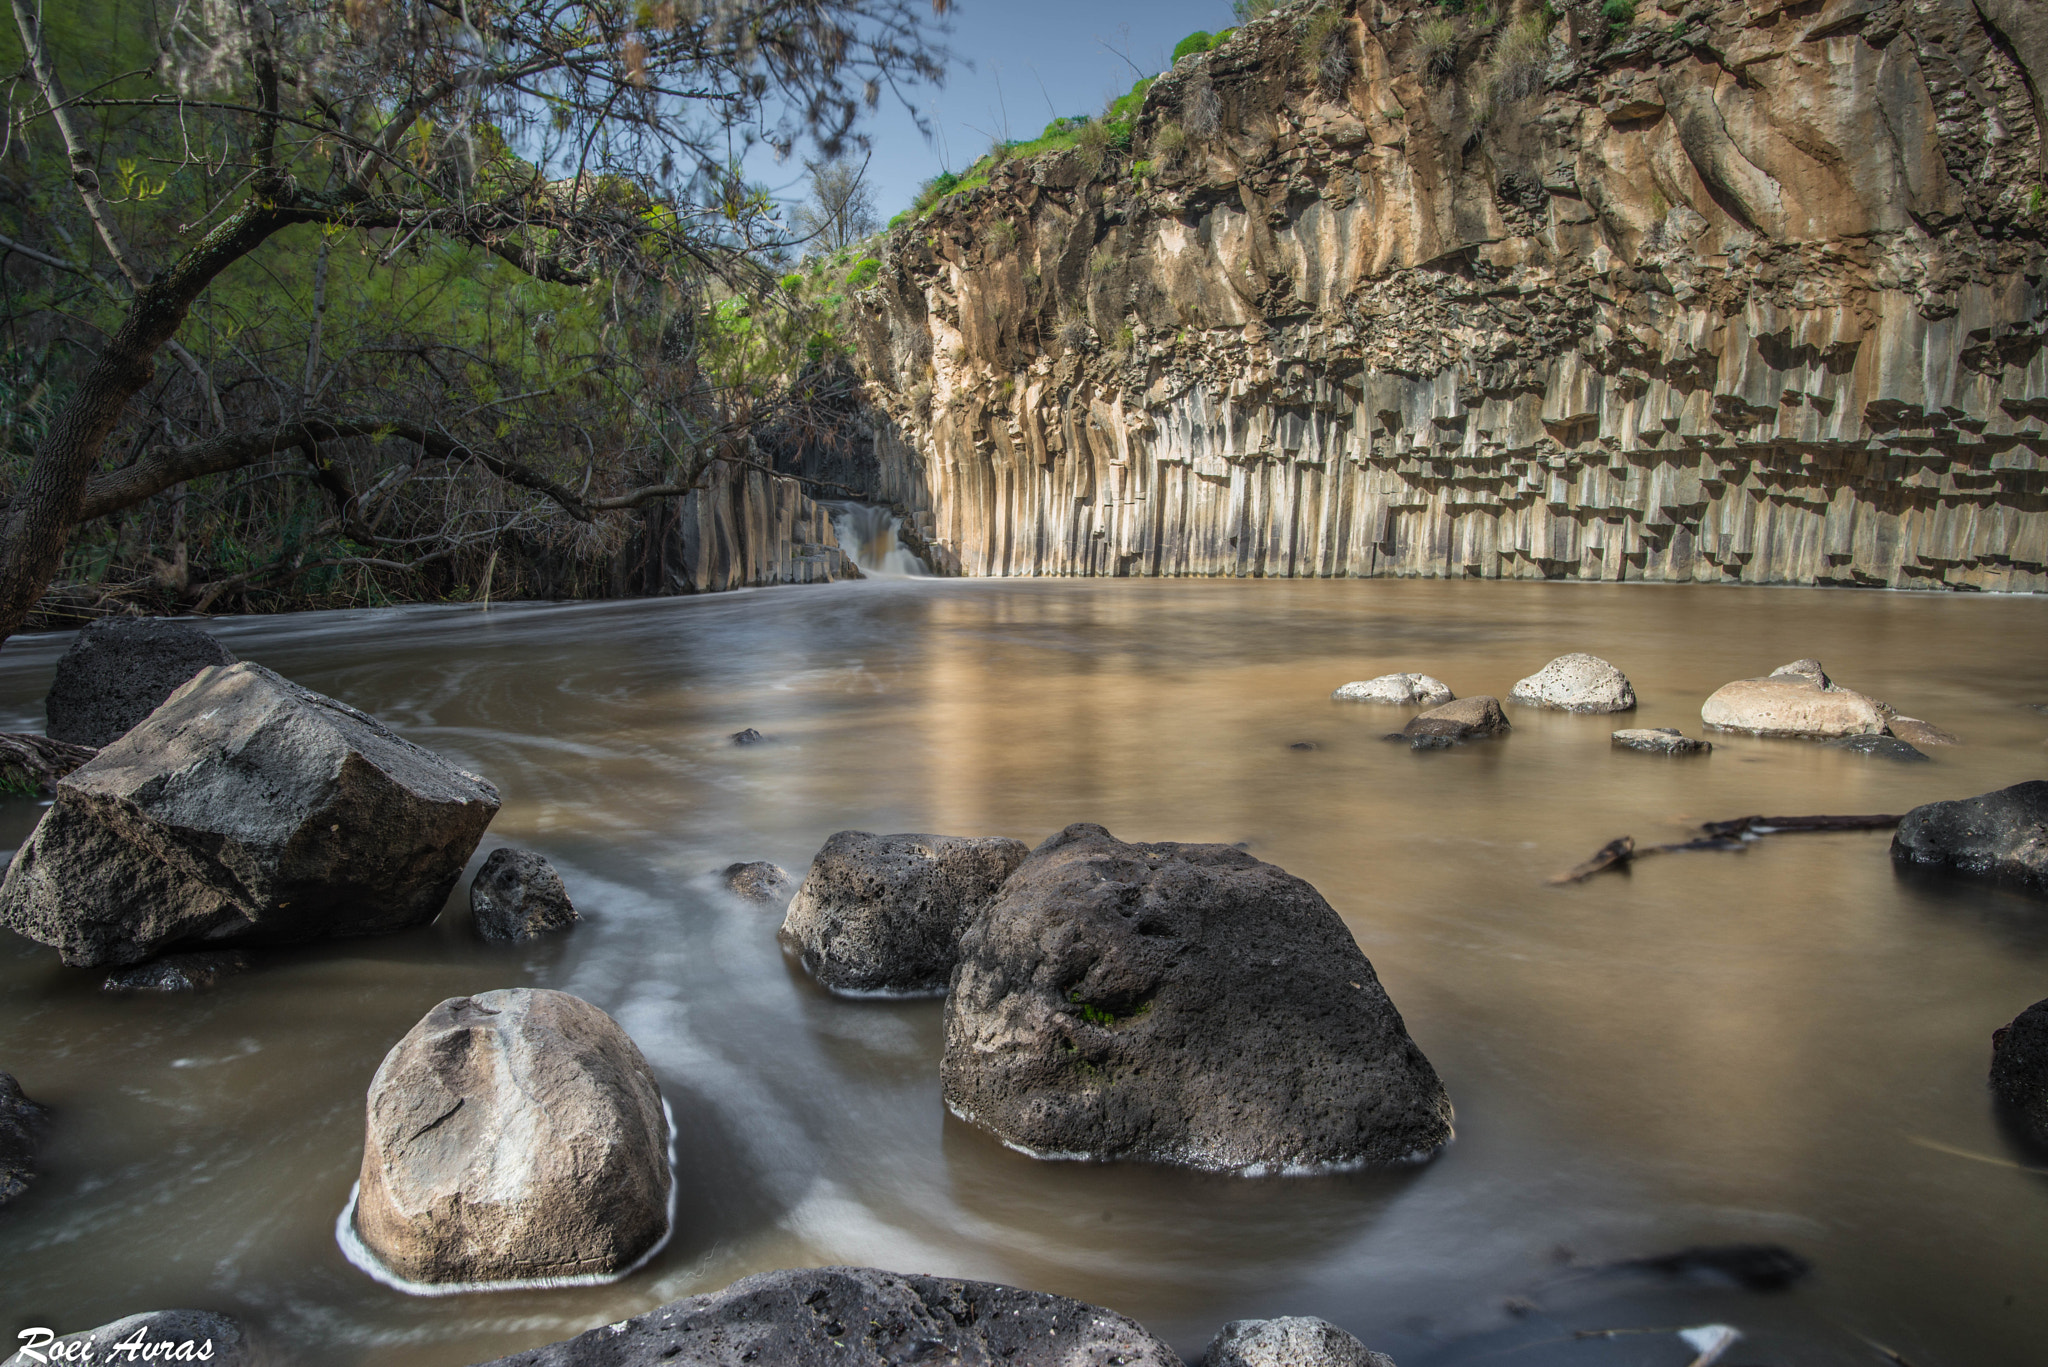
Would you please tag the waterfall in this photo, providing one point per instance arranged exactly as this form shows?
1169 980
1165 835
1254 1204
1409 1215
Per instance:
868 534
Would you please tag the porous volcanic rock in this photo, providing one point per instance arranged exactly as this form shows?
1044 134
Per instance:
1289 1341
1660 740
179 972
883 913
1576 683
761 881
1402 690
514 1136
119 670
1474 718
517 895
1879 747
2001 835
2019 1072
861 1317
1796 701
1182 1004
21 1130
156 1336
245 809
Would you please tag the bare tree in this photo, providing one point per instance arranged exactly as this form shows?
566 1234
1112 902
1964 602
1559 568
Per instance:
841 208
589 145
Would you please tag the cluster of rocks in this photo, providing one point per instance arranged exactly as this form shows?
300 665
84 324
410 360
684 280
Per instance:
1799 701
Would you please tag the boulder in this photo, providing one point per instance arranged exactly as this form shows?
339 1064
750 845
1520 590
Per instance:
119 670
1576 683
860 1317
157 1336
761 881
747 737
245 809
1476 718
1796 701
1660 740
882 914
21 1131
1402 690
1180 1004
1916 732
2001 835
517 1136
179 972
2019 1072
1879 747
1290 1341
517 895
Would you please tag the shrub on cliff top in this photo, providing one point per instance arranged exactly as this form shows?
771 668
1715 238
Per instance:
1436 43
1201 40
1326 52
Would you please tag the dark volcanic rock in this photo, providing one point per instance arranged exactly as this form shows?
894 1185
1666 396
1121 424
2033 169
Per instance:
2002 835
157 1336
2019 1072
513 1136
1474 718
883 913
761 881
21 1130
1753 1267
1290 1341
747 737
1879 747
179 972
861 1317
119 670
1183 1004
245 809
517 895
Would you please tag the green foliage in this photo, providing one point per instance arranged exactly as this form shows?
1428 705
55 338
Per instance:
2036 199
1436 44
1619 13
1106 1016
1201 40
1170 140
863 273
1140 170
1001 235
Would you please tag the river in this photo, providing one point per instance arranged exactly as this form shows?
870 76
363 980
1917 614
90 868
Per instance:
1786 1045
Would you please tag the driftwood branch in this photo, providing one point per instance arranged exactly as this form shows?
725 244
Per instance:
1719 835
37 761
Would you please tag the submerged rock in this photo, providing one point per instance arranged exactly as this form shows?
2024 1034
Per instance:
747 737
1753 1267
121 669
1475 718
2001 835
517 895
860 1317
883 913
1289 1341
245 809
516 1136
1576 683
22 1122
179 972
1660 740
2019 1072
1879 747
156 1336
761 881
1795 701
1180 1004
1403 690
1916 732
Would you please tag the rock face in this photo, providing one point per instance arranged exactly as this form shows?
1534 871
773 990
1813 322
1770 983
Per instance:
1576 683
179 972
1180 1004
1454 723
21 1128
119 670
1291 1341
883 913
861 1317
1403 690
2019 1071
1660 740
517 895
1879 747
1797 701
2001 835
1590 313
763 882
245 809
516 1136
158 1336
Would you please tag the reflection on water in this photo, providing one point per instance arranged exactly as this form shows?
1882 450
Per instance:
1712 1048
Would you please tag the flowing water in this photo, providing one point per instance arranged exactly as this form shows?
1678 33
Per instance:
869 535
1786 1045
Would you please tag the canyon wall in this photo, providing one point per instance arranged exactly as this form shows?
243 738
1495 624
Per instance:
1743 291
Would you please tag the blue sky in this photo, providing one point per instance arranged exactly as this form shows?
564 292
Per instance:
1016 66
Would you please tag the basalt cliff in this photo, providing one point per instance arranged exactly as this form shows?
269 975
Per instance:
1739 291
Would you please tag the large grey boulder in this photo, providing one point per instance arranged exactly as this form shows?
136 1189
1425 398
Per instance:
1400 690
1795 701
245 809
2001 835
22 1122
518 896
1289 1341
119 670
156 1336
2019 1072
1467 719
1576 683
1179 1004
861 1317
515 1136
882 914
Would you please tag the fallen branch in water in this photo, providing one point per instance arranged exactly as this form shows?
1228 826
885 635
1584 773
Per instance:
1719 835
29 763
1772 825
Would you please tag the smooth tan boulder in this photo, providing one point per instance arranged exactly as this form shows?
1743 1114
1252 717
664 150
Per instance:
516 1136
1399 690
1914 731
1796 702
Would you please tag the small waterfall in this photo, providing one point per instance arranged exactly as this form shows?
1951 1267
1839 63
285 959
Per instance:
868 534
